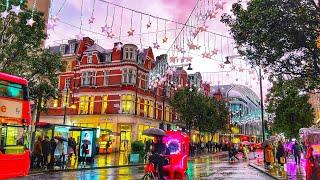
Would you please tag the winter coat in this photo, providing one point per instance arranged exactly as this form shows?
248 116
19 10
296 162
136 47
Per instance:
269 157
46 147
37 150
280 151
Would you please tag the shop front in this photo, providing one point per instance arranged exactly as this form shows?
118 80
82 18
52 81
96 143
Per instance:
64 133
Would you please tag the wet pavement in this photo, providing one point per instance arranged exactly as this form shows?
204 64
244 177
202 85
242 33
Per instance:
205 167
289 171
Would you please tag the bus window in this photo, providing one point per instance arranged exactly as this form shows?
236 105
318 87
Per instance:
12 90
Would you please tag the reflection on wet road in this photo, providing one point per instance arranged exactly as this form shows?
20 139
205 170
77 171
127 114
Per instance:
206 167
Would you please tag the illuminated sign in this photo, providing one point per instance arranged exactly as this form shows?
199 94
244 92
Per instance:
11 109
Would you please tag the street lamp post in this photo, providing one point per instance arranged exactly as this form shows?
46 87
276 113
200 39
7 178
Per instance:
65 107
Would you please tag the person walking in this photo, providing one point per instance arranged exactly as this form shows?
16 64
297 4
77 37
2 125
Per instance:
269 157
59 152
37 152
281 155
297 149
53 145
46 148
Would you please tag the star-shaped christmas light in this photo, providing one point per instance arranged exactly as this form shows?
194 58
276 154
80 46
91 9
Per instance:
156 45
55 19
165 39
149 24
79 36
182 59
119 47
213 14
173 59
233 67
189 59
130 32
51 25
241 69
202 28
30 22
16 9
4 14
198 47
204 55
104 28
110 35
91 20
195 33
219 4
214 52
141 50
221 65
191 45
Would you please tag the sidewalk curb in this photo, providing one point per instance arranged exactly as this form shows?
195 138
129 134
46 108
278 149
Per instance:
261 170
86 168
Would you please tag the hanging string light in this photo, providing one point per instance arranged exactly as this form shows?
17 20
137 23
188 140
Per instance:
105 28
110 33
5 13
165 39
16 9
119 45
80 35
92 18
141 50
30 21
131 30
155 44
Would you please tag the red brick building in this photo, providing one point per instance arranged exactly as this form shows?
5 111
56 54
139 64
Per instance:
109 89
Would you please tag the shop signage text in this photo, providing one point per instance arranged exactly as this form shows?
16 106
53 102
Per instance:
11 109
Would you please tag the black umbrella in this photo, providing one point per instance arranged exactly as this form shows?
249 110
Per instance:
154 132
61 138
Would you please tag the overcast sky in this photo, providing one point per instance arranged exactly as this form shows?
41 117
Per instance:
176 10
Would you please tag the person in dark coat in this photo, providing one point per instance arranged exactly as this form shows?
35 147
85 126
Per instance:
297 149
46 148
280 153
53 145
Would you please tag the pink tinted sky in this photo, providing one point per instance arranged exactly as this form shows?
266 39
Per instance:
177 10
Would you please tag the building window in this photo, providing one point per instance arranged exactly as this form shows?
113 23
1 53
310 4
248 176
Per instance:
129 53
86 78
55 103
125 76
89 58
62 49
67 83
104 104
106 77
127 103
72 48
167 113
84 104
138 106
140 60
69 66
128 76
91 104
146 108
108 58
151 109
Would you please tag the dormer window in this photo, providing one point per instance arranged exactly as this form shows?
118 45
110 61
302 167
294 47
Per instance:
108 58
89 58
62 49
129 53
72 48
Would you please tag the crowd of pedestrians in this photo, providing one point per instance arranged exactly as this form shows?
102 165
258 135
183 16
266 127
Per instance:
202 147
47 153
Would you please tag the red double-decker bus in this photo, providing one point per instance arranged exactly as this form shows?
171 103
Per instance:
14 114
14 118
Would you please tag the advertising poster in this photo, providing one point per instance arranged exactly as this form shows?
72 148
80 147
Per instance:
86 137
